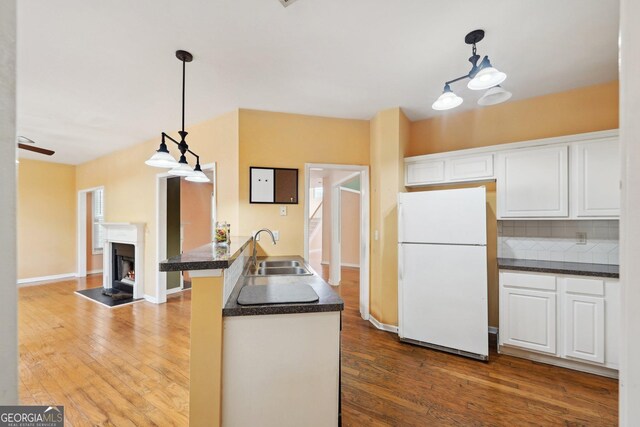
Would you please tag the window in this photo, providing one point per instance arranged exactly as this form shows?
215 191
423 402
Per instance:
97 217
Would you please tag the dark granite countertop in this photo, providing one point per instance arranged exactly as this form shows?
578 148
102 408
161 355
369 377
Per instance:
328 298
211 256
575 268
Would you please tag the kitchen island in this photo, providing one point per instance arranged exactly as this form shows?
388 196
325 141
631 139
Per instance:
259 364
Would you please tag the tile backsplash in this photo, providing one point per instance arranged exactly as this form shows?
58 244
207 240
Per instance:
557 241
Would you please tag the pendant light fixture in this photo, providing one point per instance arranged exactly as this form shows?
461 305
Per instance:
495 95
163 159
482 76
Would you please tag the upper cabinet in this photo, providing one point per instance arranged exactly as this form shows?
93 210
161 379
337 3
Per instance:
576 176
534 182
596 178
448 169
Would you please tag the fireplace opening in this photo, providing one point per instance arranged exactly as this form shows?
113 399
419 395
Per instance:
123 262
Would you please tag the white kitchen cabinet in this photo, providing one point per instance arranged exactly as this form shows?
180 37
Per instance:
565 320
470 168
534 182
584 327
574 176
422 173
529 319
596 180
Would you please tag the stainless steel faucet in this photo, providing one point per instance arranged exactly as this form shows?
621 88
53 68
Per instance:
254 257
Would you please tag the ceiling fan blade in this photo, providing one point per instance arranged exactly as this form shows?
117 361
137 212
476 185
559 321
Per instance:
25 140
36 149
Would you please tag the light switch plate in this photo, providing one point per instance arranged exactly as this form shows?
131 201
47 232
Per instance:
283 211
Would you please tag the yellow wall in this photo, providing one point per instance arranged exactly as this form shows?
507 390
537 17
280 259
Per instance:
580 110
290 141
389 140
130 185
46 219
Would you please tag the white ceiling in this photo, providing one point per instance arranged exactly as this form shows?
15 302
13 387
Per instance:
97 76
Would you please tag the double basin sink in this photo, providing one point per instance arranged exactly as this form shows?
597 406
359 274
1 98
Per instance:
278 268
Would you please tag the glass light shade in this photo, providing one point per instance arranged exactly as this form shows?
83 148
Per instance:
495 95
198 176
182 169
447 101
161 159
486 78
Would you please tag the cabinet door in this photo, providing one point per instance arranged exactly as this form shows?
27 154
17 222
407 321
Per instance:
528 319
426 172
470 168
597 178
584 327
534 183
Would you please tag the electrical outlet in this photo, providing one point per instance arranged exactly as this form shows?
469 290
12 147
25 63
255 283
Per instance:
276 234
283 211
581 238
375 235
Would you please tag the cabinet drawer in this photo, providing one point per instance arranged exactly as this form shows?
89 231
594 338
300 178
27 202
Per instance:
525 280
429 172
584 286
469 168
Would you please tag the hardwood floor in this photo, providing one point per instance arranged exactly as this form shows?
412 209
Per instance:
126 366
129 366
388 383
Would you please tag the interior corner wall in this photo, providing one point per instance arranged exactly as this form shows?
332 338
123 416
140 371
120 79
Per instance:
46 219
390 130
130 185
581 110
8 290
290 140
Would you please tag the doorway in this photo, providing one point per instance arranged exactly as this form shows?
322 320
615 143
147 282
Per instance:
90 242
336 223
186 215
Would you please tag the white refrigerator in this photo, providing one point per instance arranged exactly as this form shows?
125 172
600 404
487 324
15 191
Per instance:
442 270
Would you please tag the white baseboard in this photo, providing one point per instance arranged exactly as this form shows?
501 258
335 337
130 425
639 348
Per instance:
151 299
35 280
175 290
350 265
344 264
557 361
383 326
493 330
94 272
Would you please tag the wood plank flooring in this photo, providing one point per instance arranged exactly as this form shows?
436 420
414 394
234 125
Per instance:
129 367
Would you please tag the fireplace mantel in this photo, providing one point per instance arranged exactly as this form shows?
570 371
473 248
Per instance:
124 232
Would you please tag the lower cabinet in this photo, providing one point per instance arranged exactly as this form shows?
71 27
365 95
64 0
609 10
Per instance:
530 318
584 327
572 321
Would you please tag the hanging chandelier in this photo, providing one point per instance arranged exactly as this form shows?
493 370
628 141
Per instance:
482 76
162 158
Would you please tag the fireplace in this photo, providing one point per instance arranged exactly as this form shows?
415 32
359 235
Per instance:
124 258
123 262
